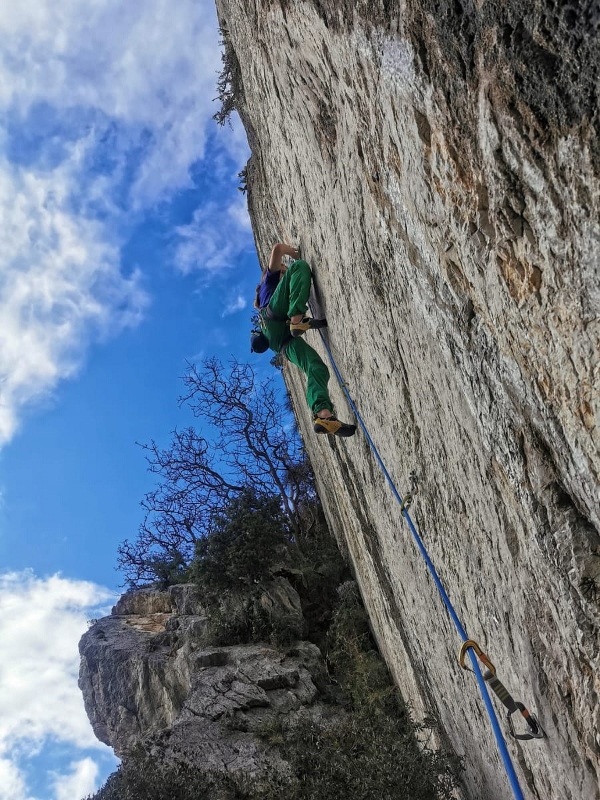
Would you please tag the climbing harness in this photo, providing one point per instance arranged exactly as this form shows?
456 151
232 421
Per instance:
271 315
481 681
505 697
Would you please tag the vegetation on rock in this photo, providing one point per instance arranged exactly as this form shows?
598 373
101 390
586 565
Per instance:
248 536
248 442
258 583
229 82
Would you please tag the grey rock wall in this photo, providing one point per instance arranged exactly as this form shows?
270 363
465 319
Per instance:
439 164
148 679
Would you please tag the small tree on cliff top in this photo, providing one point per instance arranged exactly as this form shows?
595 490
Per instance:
254 443
229 82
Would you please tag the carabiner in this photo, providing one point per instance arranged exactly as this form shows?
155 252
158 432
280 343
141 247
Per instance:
471 644
535 729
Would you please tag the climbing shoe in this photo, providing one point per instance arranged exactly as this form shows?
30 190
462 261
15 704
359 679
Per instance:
299 328
333 426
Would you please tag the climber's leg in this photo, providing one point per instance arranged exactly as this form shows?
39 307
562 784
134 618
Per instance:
317 377
291 296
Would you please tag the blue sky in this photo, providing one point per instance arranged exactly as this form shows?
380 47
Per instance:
126 251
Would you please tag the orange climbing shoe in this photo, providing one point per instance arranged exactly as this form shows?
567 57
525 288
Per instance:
333 427
299 328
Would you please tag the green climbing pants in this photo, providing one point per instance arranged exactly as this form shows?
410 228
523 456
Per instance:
291 298
317 375
291 295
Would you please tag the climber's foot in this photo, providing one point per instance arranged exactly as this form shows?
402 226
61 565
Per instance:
333 426
300 328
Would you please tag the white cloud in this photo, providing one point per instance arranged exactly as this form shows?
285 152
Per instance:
211 242
60 287
237 303
12 784
41 622
80 783
235 142
238 212
149 66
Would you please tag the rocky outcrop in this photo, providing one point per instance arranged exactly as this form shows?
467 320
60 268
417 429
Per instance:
147 677
439 164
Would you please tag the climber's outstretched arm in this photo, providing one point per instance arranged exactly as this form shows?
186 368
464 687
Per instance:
278 252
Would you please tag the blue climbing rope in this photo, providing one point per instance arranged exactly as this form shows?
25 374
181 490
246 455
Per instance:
505 755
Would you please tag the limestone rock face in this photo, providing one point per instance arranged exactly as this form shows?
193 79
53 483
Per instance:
146 677
439 164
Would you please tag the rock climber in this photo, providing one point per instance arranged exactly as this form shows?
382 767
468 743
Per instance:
281 300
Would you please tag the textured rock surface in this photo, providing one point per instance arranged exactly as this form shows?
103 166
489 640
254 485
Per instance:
145 676
440 169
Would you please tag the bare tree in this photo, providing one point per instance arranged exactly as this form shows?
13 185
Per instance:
254 443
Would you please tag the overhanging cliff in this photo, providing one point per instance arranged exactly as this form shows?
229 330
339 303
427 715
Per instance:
440 170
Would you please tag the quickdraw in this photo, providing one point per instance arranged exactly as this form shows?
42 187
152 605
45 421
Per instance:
410 495
505 697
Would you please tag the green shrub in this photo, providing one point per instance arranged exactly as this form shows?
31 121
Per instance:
364 757
240 619
141 778
168 571
248 537
235 620
249 546
355 660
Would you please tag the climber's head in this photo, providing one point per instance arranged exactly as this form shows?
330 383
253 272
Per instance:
258 342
